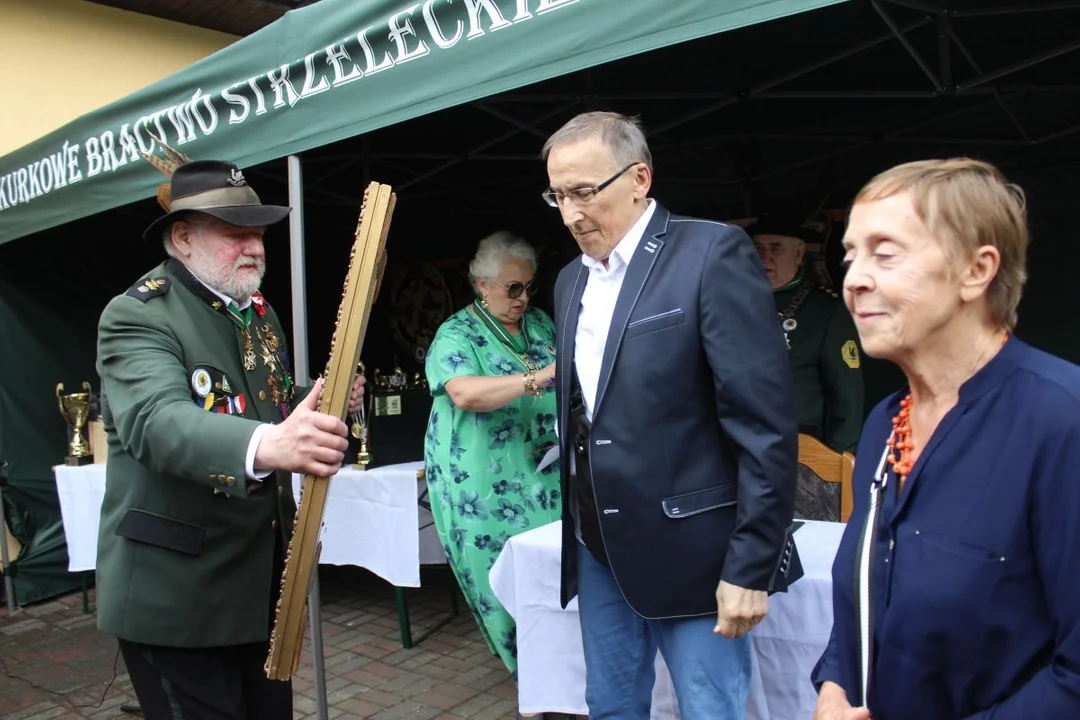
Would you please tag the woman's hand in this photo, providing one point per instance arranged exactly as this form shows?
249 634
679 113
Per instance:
546 376
479 393
832 704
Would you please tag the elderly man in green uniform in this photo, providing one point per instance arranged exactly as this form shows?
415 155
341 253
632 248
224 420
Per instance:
204 426
823 350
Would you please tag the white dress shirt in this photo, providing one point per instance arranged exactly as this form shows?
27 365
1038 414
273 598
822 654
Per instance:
256 437
598 306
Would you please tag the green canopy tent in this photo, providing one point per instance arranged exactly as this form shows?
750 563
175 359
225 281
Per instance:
808 105
334 70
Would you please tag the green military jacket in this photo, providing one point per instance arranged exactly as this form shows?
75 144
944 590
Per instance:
825 363
186 546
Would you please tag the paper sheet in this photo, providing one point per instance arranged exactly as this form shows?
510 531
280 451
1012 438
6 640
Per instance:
551 455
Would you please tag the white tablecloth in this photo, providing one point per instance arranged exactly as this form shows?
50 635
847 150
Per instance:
81 490
372 520
551 665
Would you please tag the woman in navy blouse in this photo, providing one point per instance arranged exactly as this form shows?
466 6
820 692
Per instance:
962 600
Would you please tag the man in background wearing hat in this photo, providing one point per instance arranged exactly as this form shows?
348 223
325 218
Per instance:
823 353
204 427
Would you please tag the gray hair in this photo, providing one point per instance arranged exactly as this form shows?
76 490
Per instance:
496 249
621 135
198 222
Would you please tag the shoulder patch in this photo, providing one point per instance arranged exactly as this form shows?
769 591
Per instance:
149 287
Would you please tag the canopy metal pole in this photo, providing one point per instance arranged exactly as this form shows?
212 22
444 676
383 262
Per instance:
296 268
5 559
300 367
9 586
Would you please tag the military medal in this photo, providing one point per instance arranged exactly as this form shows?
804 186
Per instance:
783 324
787 318
511 343
268 359
249 351
278 377
278 380
270 338
200 382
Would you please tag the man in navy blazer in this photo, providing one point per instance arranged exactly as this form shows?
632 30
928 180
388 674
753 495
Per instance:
678 432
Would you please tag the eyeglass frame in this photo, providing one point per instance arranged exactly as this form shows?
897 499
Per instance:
529 287
551 197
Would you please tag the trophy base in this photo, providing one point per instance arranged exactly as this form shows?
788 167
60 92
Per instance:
359 466
79 460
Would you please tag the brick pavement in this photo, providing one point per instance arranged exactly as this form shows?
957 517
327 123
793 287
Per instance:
55 663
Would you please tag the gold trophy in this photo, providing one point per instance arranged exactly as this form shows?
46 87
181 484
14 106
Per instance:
75 409
359 430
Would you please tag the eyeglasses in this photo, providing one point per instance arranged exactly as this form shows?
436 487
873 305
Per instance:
514 289
580 196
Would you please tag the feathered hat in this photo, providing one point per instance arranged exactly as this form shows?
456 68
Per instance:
213 187
167 165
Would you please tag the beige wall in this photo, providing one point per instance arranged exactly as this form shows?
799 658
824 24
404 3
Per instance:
64 58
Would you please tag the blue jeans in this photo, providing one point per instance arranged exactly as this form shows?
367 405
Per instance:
711 674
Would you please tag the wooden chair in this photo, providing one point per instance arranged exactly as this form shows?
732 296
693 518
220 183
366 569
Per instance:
830 466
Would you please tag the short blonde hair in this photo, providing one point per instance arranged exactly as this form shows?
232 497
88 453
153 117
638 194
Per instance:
967 204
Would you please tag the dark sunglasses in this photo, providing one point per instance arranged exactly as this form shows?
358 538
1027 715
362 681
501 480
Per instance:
514 289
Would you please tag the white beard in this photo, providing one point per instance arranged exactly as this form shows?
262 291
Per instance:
226 280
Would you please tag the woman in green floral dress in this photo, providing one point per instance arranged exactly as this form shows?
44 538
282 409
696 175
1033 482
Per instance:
490 369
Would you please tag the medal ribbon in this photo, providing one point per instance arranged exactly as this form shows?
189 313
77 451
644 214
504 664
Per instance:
510 342
242 318
797 302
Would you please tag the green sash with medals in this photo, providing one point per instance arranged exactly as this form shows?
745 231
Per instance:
518 345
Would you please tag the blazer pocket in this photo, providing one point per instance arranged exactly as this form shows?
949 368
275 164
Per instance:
959 547
160 531
699 501
655 322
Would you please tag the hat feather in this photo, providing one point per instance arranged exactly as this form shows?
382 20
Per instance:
166 165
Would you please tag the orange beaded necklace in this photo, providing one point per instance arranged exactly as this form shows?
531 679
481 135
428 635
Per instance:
900 440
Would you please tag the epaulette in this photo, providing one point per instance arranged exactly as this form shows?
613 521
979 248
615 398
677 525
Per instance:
149 287
828 291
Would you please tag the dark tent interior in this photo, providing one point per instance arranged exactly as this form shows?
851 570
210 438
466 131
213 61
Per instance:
791 115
